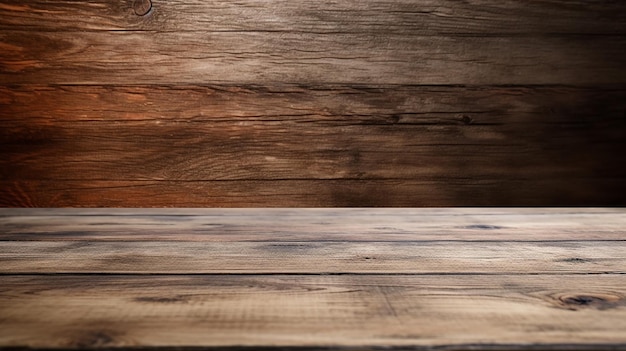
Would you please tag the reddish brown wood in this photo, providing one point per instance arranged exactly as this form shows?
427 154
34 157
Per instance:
299 103
311 146
376 17
275 58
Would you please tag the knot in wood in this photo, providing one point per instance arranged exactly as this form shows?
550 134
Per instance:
142 7
599 301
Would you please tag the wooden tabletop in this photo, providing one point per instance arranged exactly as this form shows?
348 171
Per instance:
357 279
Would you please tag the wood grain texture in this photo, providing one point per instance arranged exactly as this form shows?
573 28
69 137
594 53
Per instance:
305 279
313 257
461 312
313 193
297 103
311 146
338 225
593 216
425 17
285 150
372 42
268 58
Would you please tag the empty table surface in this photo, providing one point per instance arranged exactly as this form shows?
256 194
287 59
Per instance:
353 279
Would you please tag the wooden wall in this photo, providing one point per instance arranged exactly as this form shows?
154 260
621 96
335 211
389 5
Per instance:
312 103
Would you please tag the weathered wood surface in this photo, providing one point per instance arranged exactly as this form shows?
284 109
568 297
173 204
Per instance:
311 146
305 225
425 17
314 193
300 103
300 58
381 42
314 257
465 311
520 287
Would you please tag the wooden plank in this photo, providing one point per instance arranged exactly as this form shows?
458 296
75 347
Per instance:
256 133
261 151
460 312
541 293
435 17
327 104
147 150
555 191
304 225
521 215
120 57
409 257
320 193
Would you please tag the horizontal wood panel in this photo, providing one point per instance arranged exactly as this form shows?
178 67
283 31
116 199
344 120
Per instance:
362 103
121 57
409 145
127 151
314 193
434 17
315 104
460 311
336 225
529 215
543 293
410 257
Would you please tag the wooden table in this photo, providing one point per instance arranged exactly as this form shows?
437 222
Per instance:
371 279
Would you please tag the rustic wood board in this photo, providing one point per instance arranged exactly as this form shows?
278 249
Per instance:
300 103
373 311
276 279
429 134
305 225
380 42
426 17
556 191
303 58
311 146
314 257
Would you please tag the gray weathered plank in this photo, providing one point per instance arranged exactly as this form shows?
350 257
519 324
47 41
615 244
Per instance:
313 257
326 225
452 292
460 312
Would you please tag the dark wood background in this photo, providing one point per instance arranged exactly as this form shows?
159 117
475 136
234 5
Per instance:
312 103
